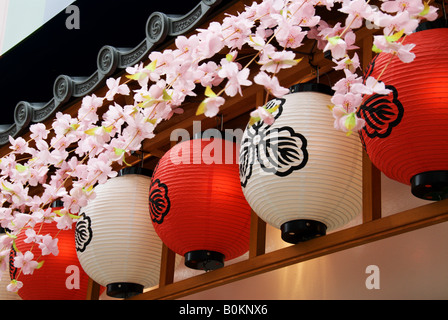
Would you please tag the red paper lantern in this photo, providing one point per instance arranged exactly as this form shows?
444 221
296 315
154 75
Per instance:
196 203
61 277
406 132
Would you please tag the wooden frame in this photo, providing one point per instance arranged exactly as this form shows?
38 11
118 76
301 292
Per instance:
378 229
374 227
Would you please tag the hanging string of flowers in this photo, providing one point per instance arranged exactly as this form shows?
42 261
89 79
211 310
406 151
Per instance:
68 159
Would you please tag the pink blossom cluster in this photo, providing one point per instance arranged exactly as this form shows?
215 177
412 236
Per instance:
77 152
396 18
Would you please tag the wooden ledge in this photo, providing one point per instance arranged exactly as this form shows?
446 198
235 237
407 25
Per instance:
367 232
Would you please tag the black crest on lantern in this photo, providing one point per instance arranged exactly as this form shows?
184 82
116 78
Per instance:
159 202
381 112
279 151
83 234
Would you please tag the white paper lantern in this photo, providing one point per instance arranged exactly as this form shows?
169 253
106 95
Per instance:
300 174
116 243
4 281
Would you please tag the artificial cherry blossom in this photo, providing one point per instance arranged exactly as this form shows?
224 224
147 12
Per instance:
371 86
352 64
356 10
411 6
25 262
402 51
212 104
38 131
262 114
14 286
48 245
115 88
271 84
18 145
236 78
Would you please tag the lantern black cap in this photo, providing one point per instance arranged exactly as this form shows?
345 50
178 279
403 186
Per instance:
204 260
428 25
57 204
430 185
311 87
124 289
216 133
135 170
301 230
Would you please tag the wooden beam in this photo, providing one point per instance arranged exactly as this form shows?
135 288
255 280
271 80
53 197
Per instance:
168 259
257 243
371 186
385 227
93 290
371 190
167 266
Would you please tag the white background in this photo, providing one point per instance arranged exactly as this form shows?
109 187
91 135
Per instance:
20 18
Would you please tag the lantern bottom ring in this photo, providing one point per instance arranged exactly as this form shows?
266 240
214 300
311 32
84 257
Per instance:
204 260
430 185
301 230
124 289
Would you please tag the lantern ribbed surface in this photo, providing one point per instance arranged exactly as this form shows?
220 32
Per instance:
406 131
197 202
301 168
49 282
116 242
